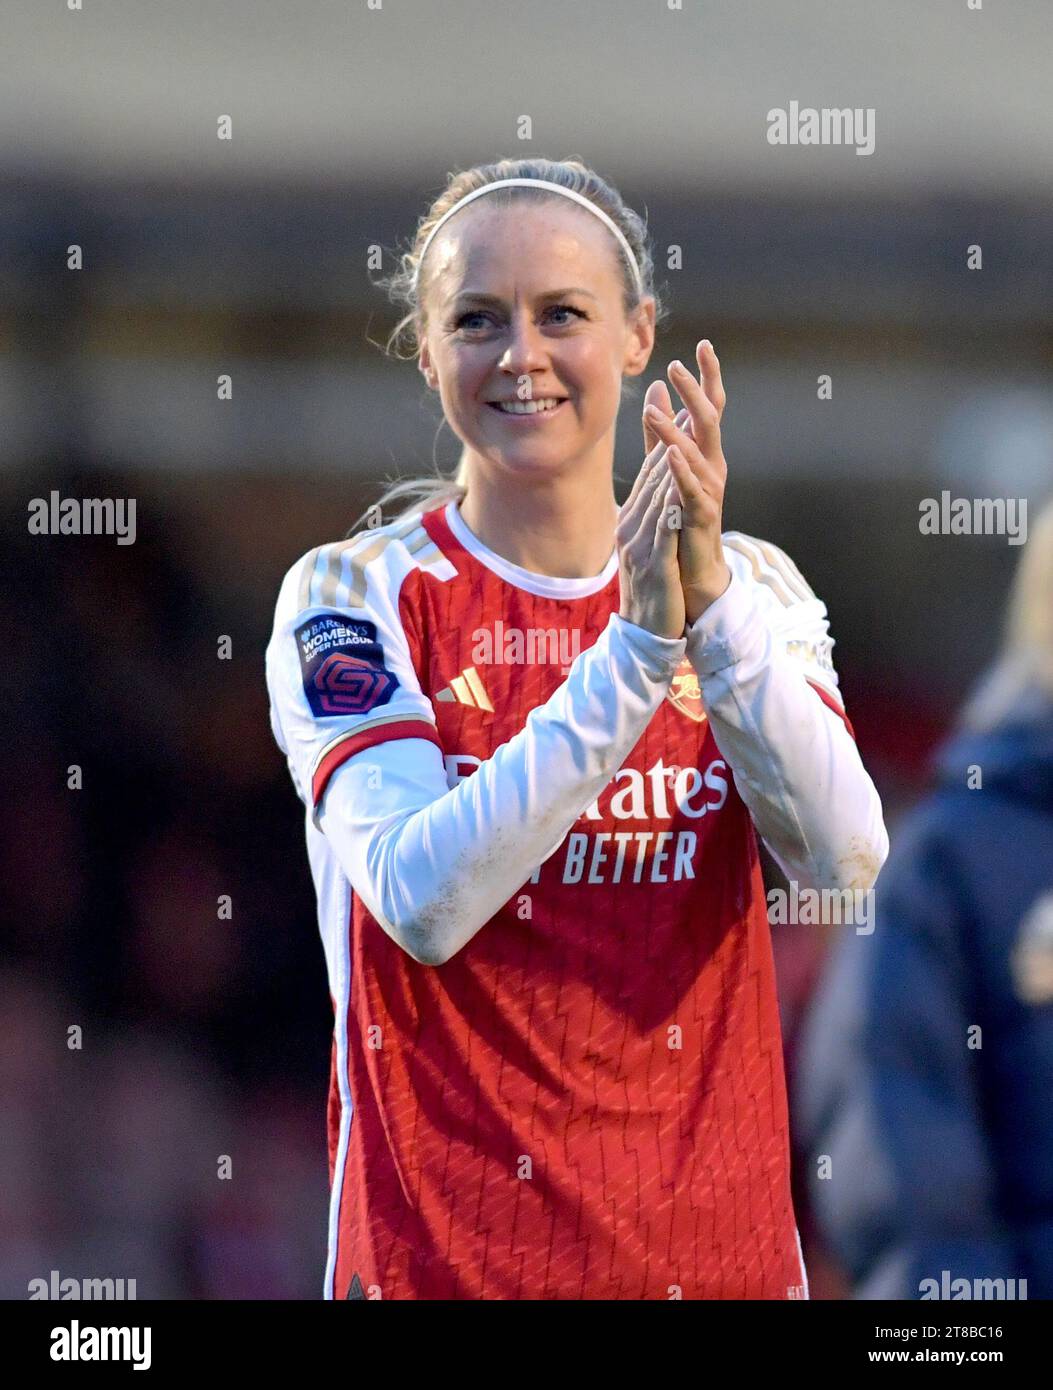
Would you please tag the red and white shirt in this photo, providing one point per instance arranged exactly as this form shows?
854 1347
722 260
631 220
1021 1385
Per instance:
583 1096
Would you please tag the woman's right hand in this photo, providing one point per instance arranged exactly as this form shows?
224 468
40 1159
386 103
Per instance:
646 535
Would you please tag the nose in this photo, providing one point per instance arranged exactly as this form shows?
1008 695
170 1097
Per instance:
525 351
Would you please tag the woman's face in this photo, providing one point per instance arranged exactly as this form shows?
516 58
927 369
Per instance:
526 304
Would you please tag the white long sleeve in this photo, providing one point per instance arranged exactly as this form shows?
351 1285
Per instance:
433 864
795 764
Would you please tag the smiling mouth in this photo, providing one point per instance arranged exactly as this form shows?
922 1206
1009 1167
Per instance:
528 410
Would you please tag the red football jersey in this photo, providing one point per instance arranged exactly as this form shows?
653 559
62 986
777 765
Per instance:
587 1101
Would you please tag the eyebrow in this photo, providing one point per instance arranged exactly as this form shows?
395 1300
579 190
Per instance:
480 298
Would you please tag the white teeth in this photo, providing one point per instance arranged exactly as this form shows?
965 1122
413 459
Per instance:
527 407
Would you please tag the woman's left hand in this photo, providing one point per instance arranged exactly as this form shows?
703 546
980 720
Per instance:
699 470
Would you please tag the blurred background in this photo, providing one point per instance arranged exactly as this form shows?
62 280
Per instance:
206 1037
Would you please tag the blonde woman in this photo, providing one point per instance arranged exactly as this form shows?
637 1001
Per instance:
537 736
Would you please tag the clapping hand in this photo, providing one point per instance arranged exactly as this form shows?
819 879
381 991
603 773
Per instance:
695 460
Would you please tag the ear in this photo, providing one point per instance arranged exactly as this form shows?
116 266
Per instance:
426 368
640 343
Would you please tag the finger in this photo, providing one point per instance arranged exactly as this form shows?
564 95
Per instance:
701 503
659 483
649 463
711 470
687 482
670 432
640 482
657 394
644 529
636 535
666 536
704 415
713 385
711 473
709 365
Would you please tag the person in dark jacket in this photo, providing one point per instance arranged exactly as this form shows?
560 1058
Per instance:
924 1092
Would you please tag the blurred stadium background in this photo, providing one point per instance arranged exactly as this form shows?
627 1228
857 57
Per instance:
248 257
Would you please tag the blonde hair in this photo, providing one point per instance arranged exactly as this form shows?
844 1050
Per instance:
404 289
1023 674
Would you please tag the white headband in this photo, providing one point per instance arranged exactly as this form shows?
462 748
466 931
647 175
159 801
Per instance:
535 183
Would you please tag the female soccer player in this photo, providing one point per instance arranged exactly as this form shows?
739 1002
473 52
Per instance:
537 736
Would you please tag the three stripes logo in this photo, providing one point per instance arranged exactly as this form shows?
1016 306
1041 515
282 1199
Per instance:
466 689
355 1290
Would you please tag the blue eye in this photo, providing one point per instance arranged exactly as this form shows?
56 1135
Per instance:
481 314
569 308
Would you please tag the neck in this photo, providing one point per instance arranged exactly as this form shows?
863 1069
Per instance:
563 528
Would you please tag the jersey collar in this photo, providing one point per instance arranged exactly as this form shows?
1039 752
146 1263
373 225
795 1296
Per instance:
546 586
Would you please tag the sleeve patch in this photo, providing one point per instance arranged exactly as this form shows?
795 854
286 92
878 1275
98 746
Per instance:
343 666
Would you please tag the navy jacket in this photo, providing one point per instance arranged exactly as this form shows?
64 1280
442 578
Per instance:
939 1137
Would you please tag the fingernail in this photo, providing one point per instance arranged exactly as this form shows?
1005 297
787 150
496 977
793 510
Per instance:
707 344
677 366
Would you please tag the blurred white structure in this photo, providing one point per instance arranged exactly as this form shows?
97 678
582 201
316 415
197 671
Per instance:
666 96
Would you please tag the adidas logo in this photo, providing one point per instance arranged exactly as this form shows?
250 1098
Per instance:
466 689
